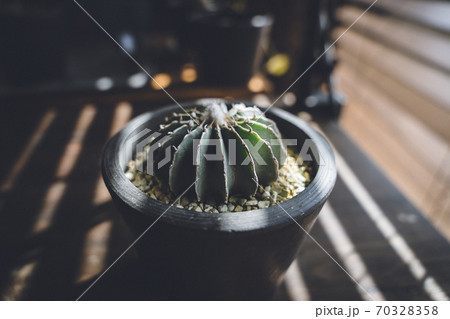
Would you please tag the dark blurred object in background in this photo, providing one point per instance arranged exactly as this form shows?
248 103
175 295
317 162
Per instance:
259 45
33 34
229 46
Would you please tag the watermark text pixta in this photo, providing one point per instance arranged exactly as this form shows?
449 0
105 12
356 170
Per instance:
325 311
151 144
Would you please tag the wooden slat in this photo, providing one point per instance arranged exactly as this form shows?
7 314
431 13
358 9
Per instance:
440 208
421 91
430 46
28 150
430 13
430 83
405 159
430 247
74 216
24 201
16 130
395 70
412 178
390 274
396 142
352 261
95 246
324 279
379 216
295 284
391 117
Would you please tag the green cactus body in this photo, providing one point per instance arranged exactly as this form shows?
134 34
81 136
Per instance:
247 151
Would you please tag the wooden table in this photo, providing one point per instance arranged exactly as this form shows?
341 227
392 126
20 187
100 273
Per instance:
59 229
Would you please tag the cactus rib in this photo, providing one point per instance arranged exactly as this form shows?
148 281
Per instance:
246 144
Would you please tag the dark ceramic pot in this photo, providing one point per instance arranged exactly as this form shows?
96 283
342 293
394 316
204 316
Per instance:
202 256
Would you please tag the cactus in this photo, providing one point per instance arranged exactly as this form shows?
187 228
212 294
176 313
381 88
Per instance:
247 145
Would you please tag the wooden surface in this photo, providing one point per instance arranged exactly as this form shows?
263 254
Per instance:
429 13
430 46
59 229
395 74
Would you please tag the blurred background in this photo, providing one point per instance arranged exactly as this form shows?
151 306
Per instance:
244 45
66 86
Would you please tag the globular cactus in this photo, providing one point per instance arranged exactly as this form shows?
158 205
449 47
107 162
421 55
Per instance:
225 149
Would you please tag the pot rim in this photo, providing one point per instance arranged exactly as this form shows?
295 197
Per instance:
301 206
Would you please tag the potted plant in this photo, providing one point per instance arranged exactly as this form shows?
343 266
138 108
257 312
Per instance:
197 255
